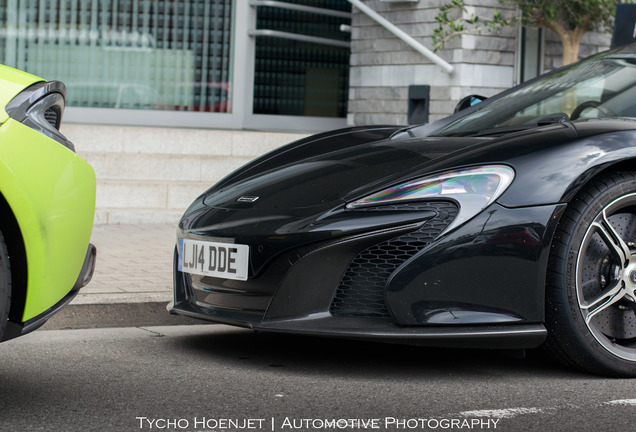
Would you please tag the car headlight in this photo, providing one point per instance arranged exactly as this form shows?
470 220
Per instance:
40 107
473 189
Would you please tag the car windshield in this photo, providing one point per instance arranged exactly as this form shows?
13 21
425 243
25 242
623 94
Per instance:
600 87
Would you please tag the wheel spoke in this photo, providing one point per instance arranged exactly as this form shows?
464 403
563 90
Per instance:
612 239
603 301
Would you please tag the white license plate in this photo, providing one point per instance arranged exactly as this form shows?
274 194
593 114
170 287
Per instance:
222 260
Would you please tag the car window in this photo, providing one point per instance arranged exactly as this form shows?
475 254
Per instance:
594 89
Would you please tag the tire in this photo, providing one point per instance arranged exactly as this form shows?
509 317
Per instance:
5 286
591 280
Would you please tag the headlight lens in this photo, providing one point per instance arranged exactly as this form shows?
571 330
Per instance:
40 107
473 189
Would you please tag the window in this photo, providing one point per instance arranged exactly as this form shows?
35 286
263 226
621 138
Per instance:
257 64
127 54
300 77
530 54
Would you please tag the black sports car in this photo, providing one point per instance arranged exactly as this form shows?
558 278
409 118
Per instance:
510 224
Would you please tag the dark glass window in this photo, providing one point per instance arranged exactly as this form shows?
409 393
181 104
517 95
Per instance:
139 54
300 78
531 53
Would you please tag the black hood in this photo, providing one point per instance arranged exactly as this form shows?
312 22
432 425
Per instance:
347 164
318 175
296 195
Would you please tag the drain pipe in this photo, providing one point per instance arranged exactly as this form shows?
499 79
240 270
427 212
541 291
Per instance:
403 36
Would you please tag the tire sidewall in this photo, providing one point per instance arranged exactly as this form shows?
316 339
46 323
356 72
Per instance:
592 354
5 286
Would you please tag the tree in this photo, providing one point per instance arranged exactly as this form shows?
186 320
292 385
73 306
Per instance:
569 19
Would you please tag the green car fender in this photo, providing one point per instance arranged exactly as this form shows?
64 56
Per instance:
51 192
13 82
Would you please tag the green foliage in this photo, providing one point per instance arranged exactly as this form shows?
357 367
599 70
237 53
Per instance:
562 16
571 14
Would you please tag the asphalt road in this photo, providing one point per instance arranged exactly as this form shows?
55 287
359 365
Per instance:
217 378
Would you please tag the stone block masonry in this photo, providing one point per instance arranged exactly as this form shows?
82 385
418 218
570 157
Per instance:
151 175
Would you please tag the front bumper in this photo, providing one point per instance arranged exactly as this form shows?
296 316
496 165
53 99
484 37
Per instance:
489 305
14 329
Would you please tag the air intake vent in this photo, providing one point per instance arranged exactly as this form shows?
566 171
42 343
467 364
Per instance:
361 290
51 117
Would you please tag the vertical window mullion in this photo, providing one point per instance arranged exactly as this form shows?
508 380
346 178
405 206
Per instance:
185 90
204 56
94 57
62 41
217 17
177 54
146 48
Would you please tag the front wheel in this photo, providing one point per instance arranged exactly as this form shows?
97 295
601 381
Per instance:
5 285
591 286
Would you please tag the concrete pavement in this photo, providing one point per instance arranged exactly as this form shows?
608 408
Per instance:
134 264
132 283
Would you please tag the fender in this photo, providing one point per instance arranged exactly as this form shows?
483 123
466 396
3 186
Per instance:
54 255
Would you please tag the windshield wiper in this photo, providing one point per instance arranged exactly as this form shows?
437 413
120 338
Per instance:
503 130
541 121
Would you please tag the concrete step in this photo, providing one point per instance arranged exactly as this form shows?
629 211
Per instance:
163 167
151 175
174 141
149 194
129 215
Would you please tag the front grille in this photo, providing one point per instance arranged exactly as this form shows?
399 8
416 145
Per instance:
361 290
50 115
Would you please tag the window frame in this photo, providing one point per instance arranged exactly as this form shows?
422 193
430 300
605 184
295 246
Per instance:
531 48
241 117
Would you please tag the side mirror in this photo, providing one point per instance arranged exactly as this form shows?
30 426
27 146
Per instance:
469 101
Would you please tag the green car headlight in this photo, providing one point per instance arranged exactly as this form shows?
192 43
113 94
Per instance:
473 189
40 107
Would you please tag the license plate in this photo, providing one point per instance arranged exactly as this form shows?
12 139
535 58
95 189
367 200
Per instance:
222 260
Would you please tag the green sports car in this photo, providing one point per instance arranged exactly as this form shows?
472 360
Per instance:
47 205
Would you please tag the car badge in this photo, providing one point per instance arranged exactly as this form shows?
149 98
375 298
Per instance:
247 199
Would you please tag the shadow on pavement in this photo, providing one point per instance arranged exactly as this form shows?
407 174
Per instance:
316 355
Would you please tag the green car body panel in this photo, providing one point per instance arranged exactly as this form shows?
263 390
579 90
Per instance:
51 193
12 82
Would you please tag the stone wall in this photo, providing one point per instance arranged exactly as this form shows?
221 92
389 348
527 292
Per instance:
383 66
151 175
592 43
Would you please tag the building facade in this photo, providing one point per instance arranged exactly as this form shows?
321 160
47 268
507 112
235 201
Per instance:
383 67
166 97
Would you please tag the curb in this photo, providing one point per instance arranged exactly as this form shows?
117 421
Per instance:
103 315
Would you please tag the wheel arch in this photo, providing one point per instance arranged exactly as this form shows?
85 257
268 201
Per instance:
581 182
624 165
585 178
15 244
